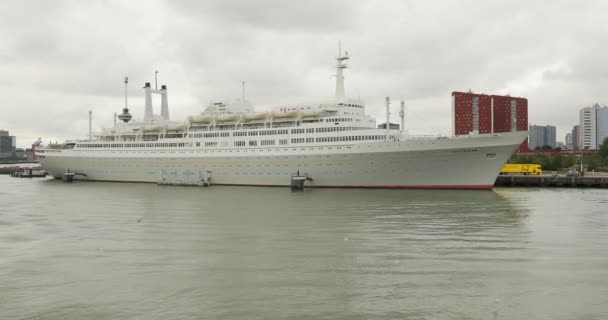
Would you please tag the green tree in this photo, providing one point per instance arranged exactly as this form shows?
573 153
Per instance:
569 161
604 148
558 162
592 162
544 161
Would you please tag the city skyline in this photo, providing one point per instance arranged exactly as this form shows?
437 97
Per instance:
62 59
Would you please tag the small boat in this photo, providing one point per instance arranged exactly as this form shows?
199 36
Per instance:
29 173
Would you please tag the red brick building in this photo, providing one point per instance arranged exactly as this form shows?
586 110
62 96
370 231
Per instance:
482 113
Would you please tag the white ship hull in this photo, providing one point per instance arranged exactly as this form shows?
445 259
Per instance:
470 162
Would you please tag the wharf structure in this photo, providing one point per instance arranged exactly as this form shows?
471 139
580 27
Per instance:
552 181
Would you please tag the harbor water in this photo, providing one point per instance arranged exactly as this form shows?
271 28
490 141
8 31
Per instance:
91 250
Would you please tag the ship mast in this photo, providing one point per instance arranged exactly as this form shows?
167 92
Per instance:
388 117
402 115
126 91
340 66
243 93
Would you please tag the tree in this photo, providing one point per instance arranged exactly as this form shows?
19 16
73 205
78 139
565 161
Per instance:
558 162
604 148
544 161
569 161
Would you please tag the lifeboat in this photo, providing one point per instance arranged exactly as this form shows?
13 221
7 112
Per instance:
175 127
311 114
153 129
201 119
227 118
255 116
282 115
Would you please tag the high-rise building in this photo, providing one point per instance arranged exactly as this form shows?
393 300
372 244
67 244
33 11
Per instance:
482 113
8 144
541 136
550 136
593 123
602 125
569 140
575 135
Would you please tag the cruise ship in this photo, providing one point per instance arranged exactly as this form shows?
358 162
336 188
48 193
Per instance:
335 144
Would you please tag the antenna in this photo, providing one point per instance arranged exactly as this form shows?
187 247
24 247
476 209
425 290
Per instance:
402 115
155 79
90 121
243 93
126 83
388 117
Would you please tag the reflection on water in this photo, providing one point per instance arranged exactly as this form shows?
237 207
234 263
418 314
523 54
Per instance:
106 251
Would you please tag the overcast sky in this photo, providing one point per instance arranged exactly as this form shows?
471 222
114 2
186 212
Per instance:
59 59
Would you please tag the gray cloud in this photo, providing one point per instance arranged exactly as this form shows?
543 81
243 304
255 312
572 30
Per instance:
302 16
58 59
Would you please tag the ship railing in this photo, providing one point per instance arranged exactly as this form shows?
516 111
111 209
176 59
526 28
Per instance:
58 146
426 137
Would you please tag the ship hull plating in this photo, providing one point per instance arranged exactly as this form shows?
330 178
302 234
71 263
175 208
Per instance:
459 163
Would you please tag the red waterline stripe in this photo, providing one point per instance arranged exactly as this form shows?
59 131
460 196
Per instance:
433 187
430 187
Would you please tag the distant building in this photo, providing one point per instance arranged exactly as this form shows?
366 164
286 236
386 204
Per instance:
394 126
568 140
550 138
8 144
29 154
540 136
575 135
481 113
602 125
593 122
19 153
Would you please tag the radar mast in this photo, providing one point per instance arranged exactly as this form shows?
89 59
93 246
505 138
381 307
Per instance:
340 66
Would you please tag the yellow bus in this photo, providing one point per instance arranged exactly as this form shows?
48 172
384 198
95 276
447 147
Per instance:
525 169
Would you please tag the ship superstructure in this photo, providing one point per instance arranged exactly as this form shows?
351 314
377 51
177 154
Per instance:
334 144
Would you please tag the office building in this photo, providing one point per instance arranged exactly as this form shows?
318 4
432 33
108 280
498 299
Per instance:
482 113
593 122
8 144
541 136
575 135
568 140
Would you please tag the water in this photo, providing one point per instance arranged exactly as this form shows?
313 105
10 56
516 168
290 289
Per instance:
138 251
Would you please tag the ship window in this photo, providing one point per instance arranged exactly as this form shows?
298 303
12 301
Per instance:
267 143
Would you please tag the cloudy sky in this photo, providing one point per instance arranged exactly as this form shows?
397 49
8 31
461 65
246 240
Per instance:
59 59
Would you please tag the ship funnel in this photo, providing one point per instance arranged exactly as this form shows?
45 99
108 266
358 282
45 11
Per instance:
164 109
148 115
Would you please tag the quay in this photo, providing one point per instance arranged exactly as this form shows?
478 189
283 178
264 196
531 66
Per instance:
559 181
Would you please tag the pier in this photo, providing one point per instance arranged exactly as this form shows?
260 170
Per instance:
559 181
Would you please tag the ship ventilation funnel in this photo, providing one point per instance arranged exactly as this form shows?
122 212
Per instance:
148 115
164 109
